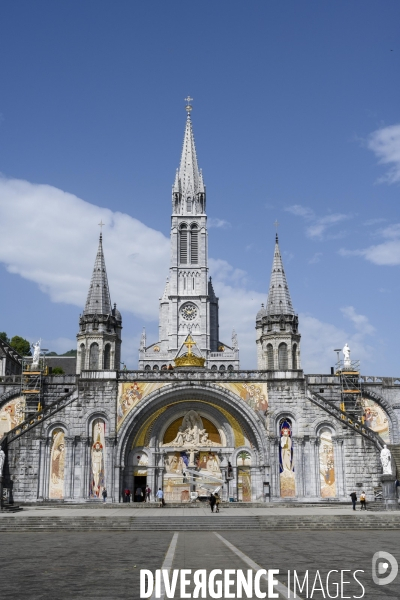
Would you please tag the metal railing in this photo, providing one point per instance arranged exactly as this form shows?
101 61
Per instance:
345 419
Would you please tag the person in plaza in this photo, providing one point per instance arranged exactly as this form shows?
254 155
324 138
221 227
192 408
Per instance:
217 501
127 495
213 501
104 494
363 501
160 497
353 497
148 494
139 494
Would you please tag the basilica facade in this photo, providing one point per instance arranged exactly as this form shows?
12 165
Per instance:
188 419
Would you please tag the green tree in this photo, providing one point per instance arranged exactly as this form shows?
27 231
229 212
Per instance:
21 345
4 336
57 371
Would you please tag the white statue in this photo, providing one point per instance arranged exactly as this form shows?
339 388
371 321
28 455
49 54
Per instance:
286 450
36 354
386 460
2 459
191 434
97 464
346 354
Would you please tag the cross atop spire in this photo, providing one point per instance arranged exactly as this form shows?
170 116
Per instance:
189 107
98 299
279 301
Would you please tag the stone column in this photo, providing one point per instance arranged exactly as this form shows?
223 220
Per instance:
315 471
47 467
274 455
338 454
109 466
69 466
298 461
41 468
86 466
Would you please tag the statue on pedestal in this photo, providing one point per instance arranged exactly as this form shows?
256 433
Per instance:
386 460
36 355
346 354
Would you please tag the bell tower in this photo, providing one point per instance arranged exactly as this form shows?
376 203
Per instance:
188 304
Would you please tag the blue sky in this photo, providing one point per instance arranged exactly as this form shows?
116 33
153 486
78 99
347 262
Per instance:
296 118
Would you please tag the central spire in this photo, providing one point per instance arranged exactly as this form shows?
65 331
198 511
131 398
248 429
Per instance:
188 189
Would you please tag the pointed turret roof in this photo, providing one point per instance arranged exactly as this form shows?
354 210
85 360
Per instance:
279 301
189 181
98 299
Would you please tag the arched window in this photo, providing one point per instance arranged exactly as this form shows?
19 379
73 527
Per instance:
155 368
327 464
107 356
94 356
83 357
147 368
270 357
194 245
189 204
183 244
214 368
282 357
230 367
222 368
294 356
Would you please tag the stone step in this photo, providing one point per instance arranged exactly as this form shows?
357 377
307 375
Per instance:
11 523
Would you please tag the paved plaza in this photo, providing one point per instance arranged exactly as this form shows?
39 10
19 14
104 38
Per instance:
106 565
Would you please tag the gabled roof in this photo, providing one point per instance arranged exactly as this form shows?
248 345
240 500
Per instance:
279 301
98 299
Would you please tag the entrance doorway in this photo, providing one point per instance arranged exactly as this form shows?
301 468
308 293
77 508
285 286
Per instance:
139 483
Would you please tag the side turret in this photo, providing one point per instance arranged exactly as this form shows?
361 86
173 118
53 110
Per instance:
278 339
100 324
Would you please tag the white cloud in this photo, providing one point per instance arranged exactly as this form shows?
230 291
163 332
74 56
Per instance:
370 222
218 223
50 237
319 339
301 211
361 322
385 143
318 225
386 253
318 229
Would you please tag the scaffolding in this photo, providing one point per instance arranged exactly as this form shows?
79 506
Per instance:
32 384
350 388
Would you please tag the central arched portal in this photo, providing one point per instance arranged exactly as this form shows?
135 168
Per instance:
190 442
